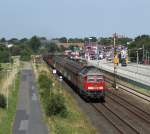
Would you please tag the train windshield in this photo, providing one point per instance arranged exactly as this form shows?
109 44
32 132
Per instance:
94 78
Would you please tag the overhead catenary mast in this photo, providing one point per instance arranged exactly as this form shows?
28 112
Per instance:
115 65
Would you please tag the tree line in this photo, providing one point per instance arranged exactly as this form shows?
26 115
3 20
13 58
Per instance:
26 47
36 45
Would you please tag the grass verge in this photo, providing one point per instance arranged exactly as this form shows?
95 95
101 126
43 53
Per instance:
75 122
7 115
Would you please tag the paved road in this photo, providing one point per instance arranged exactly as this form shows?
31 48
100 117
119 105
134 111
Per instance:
28 118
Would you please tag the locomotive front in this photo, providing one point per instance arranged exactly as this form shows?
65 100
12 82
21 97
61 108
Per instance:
93 83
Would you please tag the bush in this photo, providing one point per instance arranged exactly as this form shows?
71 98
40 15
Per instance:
1 67
25 55
2 101
44 82
55 105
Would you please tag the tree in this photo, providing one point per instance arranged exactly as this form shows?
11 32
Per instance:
2 40
140 41
90 39
63 40
34 44
1 67
23 40
119 41
106 41
93 39
62 48
75 40
52 47
25 55
16 50
13 41
4 54
71 47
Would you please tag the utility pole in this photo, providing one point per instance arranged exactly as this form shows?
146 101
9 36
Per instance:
143 54
137 60
115 68
137 56
148 58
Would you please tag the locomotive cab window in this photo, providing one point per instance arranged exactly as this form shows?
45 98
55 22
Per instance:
99 78
90 79
95 78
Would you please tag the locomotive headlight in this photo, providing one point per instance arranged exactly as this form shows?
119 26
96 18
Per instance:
90 88
101 87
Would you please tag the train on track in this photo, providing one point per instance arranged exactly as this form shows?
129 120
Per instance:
88 80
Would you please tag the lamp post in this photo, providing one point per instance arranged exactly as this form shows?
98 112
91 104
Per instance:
9 46
89 40
143 54
137 57
89 56
128 43
14 72
147 57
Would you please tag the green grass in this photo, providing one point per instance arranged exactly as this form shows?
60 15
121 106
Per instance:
7 116
74 123
3 72
6 65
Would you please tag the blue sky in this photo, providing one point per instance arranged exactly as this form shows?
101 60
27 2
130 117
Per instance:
73 18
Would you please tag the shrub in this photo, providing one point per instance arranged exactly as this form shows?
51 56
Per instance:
44 82
55 105
25 55
1 67
2 101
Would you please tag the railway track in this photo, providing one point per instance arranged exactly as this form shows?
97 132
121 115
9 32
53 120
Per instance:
130 120
140 113
119 123
135 92
130 90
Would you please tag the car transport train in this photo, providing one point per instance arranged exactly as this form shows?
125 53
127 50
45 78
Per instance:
88 80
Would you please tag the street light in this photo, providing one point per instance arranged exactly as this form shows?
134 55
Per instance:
90 48
89 39
147 57
14 72
137 55
128 43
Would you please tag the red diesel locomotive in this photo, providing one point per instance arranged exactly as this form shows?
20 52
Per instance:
88 80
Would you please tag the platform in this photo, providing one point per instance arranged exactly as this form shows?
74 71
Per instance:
136 72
